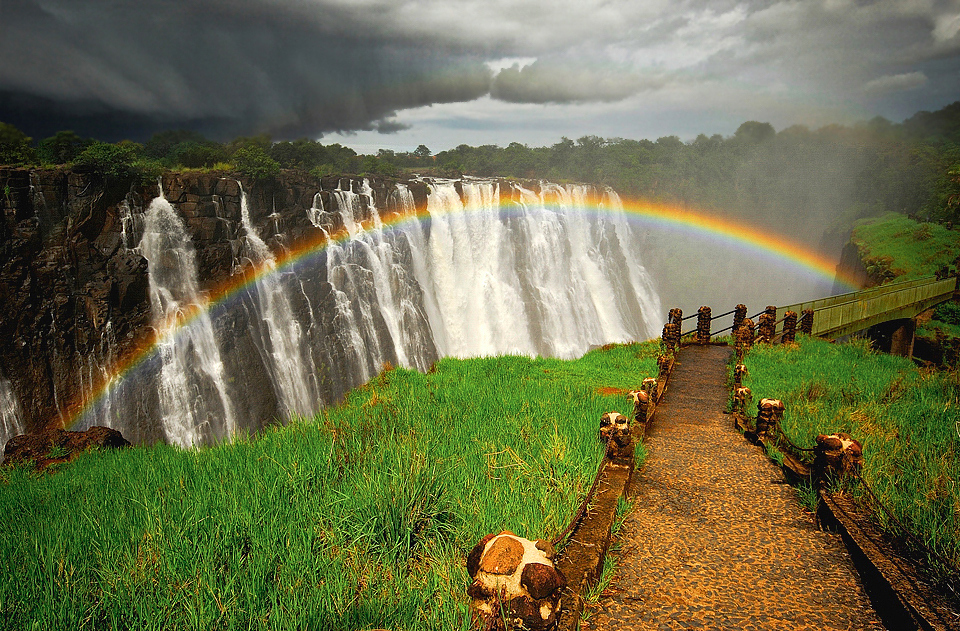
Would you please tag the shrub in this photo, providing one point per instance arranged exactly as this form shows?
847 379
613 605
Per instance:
122 160
252 161
61 148
15 146
948 313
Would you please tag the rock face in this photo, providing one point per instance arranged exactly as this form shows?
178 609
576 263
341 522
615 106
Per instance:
57 445
75 287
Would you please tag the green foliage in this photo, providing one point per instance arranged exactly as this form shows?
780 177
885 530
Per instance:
123 160
905 418
252 161
895 246
948 313
61 148
360 518
15 146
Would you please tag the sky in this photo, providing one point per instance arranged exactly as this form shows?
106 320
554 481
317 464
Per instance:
395 74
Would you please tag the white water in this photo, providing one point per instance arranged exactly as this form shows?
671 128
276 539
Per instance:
192 384
281 340
532 274
10 423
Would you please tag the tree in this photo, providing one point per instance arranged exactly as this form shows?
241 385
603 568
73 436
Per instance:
61 148
253 161
15 146
422 152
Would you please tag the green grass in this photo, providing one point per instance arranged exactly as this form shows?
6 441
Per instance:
358 519
907 420
903 248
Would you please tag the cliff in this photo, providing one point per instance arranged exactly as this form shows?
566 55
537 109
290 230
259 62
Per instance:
75 289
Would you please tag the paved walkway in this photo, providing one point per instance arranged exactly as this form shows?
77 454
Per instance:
717 539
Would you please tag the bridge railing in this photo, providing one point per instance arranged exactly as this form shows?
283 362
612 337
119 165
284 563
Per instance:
833 316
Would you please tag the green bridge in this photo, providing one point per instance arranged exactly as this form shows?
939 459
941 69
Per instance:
896 303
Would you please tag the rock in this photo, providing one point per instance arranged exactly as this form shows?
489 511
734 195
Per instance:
58 445
527 597
503 556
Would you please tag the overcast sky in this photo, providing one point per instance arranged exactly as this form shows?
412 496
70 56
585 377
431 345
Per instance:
396 73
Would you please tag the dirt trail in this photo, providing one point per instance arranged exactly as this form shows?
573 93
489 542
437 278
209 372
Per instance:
717 539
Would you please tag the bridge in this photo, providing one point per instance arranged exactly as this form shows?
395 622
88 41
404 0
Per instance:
891 308
844 314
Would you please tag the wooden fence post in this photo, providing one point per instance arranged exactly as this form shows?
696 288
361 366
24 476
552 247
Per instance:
806 322
789 328
703 325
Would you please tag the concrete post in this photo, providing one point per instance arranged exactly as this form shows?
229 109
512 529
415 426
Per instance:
789 328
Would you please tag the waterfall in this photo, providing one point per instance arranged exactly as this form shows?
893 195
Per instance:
10 424
496 268
194 403
279 334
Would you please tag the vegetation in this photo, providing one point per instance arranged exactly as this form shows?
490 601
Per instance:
895 246
359 518
906 419
830 176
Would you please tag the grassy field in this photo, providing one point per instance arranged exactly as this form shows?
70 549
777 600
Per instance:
358 519
903 248
907 420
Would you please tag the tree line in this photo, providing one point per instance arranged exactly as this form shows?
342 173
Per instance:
834 174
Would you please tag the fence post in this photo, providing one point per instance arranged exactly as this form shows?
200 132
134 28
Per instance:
676 316
836 455
806 322
744 336
671 337
739 315
789 328
767 326
769 414
703 325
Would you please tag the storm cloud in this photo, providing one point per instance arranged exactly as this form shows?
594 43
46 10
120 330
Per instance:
310 67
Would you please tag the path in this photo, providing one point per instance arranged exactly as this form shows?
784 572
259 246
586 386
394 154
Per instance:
717 539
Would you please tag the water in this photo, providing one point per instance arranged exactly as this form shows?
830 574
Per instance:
194 403
497 269
281 341
10 423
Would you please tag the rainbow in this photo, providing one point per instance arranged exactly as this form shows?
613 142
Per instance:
697 224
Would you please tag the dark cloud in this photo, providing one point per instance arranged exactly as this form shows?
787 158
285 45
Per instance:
197 65
306 67
545 82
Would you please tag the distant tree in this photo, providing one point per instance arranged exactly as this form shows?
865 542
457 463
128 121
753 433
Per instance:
122 160
753 132
15 146
196 155
252 160
422 152
161 144
61 148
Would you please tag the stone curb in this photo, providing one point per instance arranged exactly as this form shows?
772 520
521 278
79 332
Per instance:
582 560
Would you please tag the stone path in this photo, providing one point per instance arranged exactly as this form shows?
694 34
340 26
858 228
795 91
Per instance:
717 539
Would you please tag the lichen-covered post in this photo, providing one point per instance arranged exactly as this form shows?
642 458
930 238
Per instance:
741 399
789 328
806 322
663 369
615 432
836 455
676 316
703 325
745 337
767 327
769 413
739 315
739 372
641 403
515 584
671 337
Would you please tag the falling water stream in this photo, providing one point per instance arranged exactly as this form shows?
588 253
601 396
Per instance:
494 269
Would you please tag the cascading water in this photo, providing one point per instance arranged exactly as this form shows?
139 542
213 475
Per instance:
10 424
532 273
194 403
281 342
